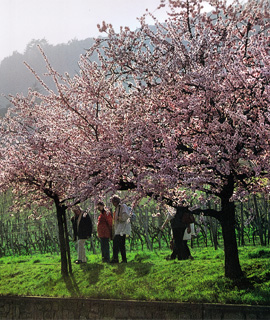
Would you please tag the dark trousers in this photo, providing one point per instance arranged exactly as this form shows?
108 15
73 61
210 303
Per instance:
105 249
181 250
119 244
186 248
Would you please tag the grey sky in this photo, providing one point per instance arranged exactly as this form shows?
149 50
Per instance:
59 21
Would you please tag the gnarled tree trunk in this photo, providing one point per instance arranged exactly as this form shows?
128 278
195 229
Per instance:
227 219
66 267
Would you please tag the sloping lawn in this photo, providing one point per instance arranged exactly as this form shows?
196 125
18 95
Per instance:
147 276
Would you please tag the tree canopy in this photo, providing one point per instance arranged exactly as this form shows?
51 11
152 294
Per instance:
168 110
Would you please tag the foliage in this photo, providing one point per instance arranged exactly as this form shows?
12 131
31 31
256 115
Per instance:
147 276
164 108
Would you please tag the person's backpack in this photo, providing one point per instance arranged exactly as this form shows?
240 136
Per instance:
132 214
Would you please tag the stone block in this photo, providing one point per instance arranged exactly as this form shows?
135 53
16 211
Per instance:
16 311
26 316
121 313
95 308
108 310
48 315
66 314
137 313
251 316
233 315
212 314
4 308
55 306
38 315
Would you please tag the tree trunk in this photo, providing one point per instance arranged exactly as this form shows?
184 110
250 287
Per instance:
67 241
227 220
63 240
242 225
268 217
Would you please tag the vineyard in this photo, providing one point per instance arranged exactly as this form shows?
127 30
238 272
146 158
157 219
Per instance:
28 233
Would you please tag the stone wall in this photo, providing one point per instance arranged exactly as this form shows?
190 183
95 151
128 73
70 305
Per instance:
83 309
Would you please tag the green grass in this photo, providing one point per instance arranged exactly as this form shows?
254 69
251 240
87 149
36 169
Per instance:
147 276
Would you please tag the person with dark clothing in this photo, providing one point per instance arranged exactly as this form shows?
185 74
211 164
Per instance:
187 236
181 250
104 230
82 230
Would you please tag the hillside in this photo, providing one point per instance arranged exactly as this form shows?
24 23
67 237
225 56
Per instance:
16 78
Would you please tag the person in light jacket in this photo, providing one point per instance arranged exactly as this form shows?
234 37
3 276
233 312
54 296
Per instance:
82 229
121 229
104 230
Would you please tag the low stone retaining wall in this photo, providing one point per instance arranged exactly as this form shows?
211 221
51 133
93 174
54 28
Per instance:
83 309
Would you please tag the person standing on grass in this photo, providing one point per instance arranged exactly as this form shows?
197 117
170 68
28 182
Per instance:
121 229
181 250
104 230
82 230
187 236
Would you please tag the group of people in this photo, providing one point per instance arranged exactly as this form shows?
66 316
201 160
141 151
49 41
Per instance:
116 226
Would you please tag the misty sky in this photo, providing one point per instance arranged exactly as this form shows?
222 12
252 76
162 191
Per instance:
59 21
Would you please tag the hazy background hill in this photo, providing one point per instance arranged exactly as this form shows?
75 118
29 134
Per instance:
16 78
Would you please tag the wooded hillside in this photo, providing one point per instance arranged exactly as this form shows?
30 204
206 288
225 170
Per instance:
16 78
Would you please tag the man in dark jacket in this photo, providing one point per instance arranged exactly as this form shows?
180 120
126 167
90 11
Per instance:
181 250
82 228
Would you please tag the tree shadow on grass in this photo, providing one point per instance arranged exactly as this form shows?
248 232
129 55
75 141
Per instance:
248 282
141 269
92 270
140 265
72 286
119 268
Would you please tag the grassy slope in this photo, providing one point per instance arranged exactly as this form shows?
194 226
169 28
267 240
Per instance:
147 276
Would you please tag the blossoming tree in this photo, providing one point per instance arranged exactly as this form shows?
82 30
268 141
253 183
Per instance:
168 110
45 159
195 115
